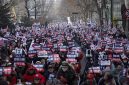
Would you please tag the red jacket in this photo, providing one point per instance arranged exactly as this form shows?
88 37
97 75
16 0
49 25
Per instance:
30 78
42 78
78 68
27 77
13 81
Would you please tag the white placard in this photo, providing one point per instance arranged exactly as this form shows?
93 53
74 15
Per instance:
18 51
43 56
71 56
19 59
38 66
32 52
105 62
94 70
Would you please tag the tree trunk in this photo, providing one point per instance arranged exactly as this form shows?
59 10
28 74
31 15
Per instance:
99 13
127 20
27 9
35 10
123 10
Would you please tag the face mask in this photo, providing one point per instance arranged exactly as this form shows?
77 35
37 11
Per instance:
36 81
51 70
31 72
65 69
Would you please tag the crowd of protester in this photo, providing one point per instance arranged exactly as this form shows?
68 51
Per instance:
56 55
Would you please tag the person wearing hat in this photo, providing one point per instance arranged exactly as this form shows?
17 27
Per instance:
39 79
13 78
107 79
66 74
51 76
3 81
29 75
90 79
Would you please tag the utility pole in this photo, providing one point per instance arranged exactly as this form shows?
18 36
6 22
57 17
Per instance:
111 13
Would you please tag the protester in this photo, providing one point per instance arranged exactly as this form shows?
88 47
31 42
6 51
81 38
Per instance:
59 53
107 79
66 74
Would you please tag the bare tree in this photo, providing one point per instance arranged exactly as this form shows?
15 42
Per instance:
87 8
83 4
27 8
101 9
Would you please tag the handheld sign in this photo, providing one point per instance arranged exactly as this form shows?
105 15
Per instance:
116 58
56 58
71 60
118 48
7 70
18 51
94 70
105 62
22 59
50 58
39 67
19 57
88 53
43 54
32 53
19 64
46 48
63 48
36 46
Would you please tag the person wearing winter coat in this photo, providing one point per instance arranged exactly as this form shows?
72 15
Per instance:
39 79
13 78
29 75
124 77
3 81
66 74
107 79
90 80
